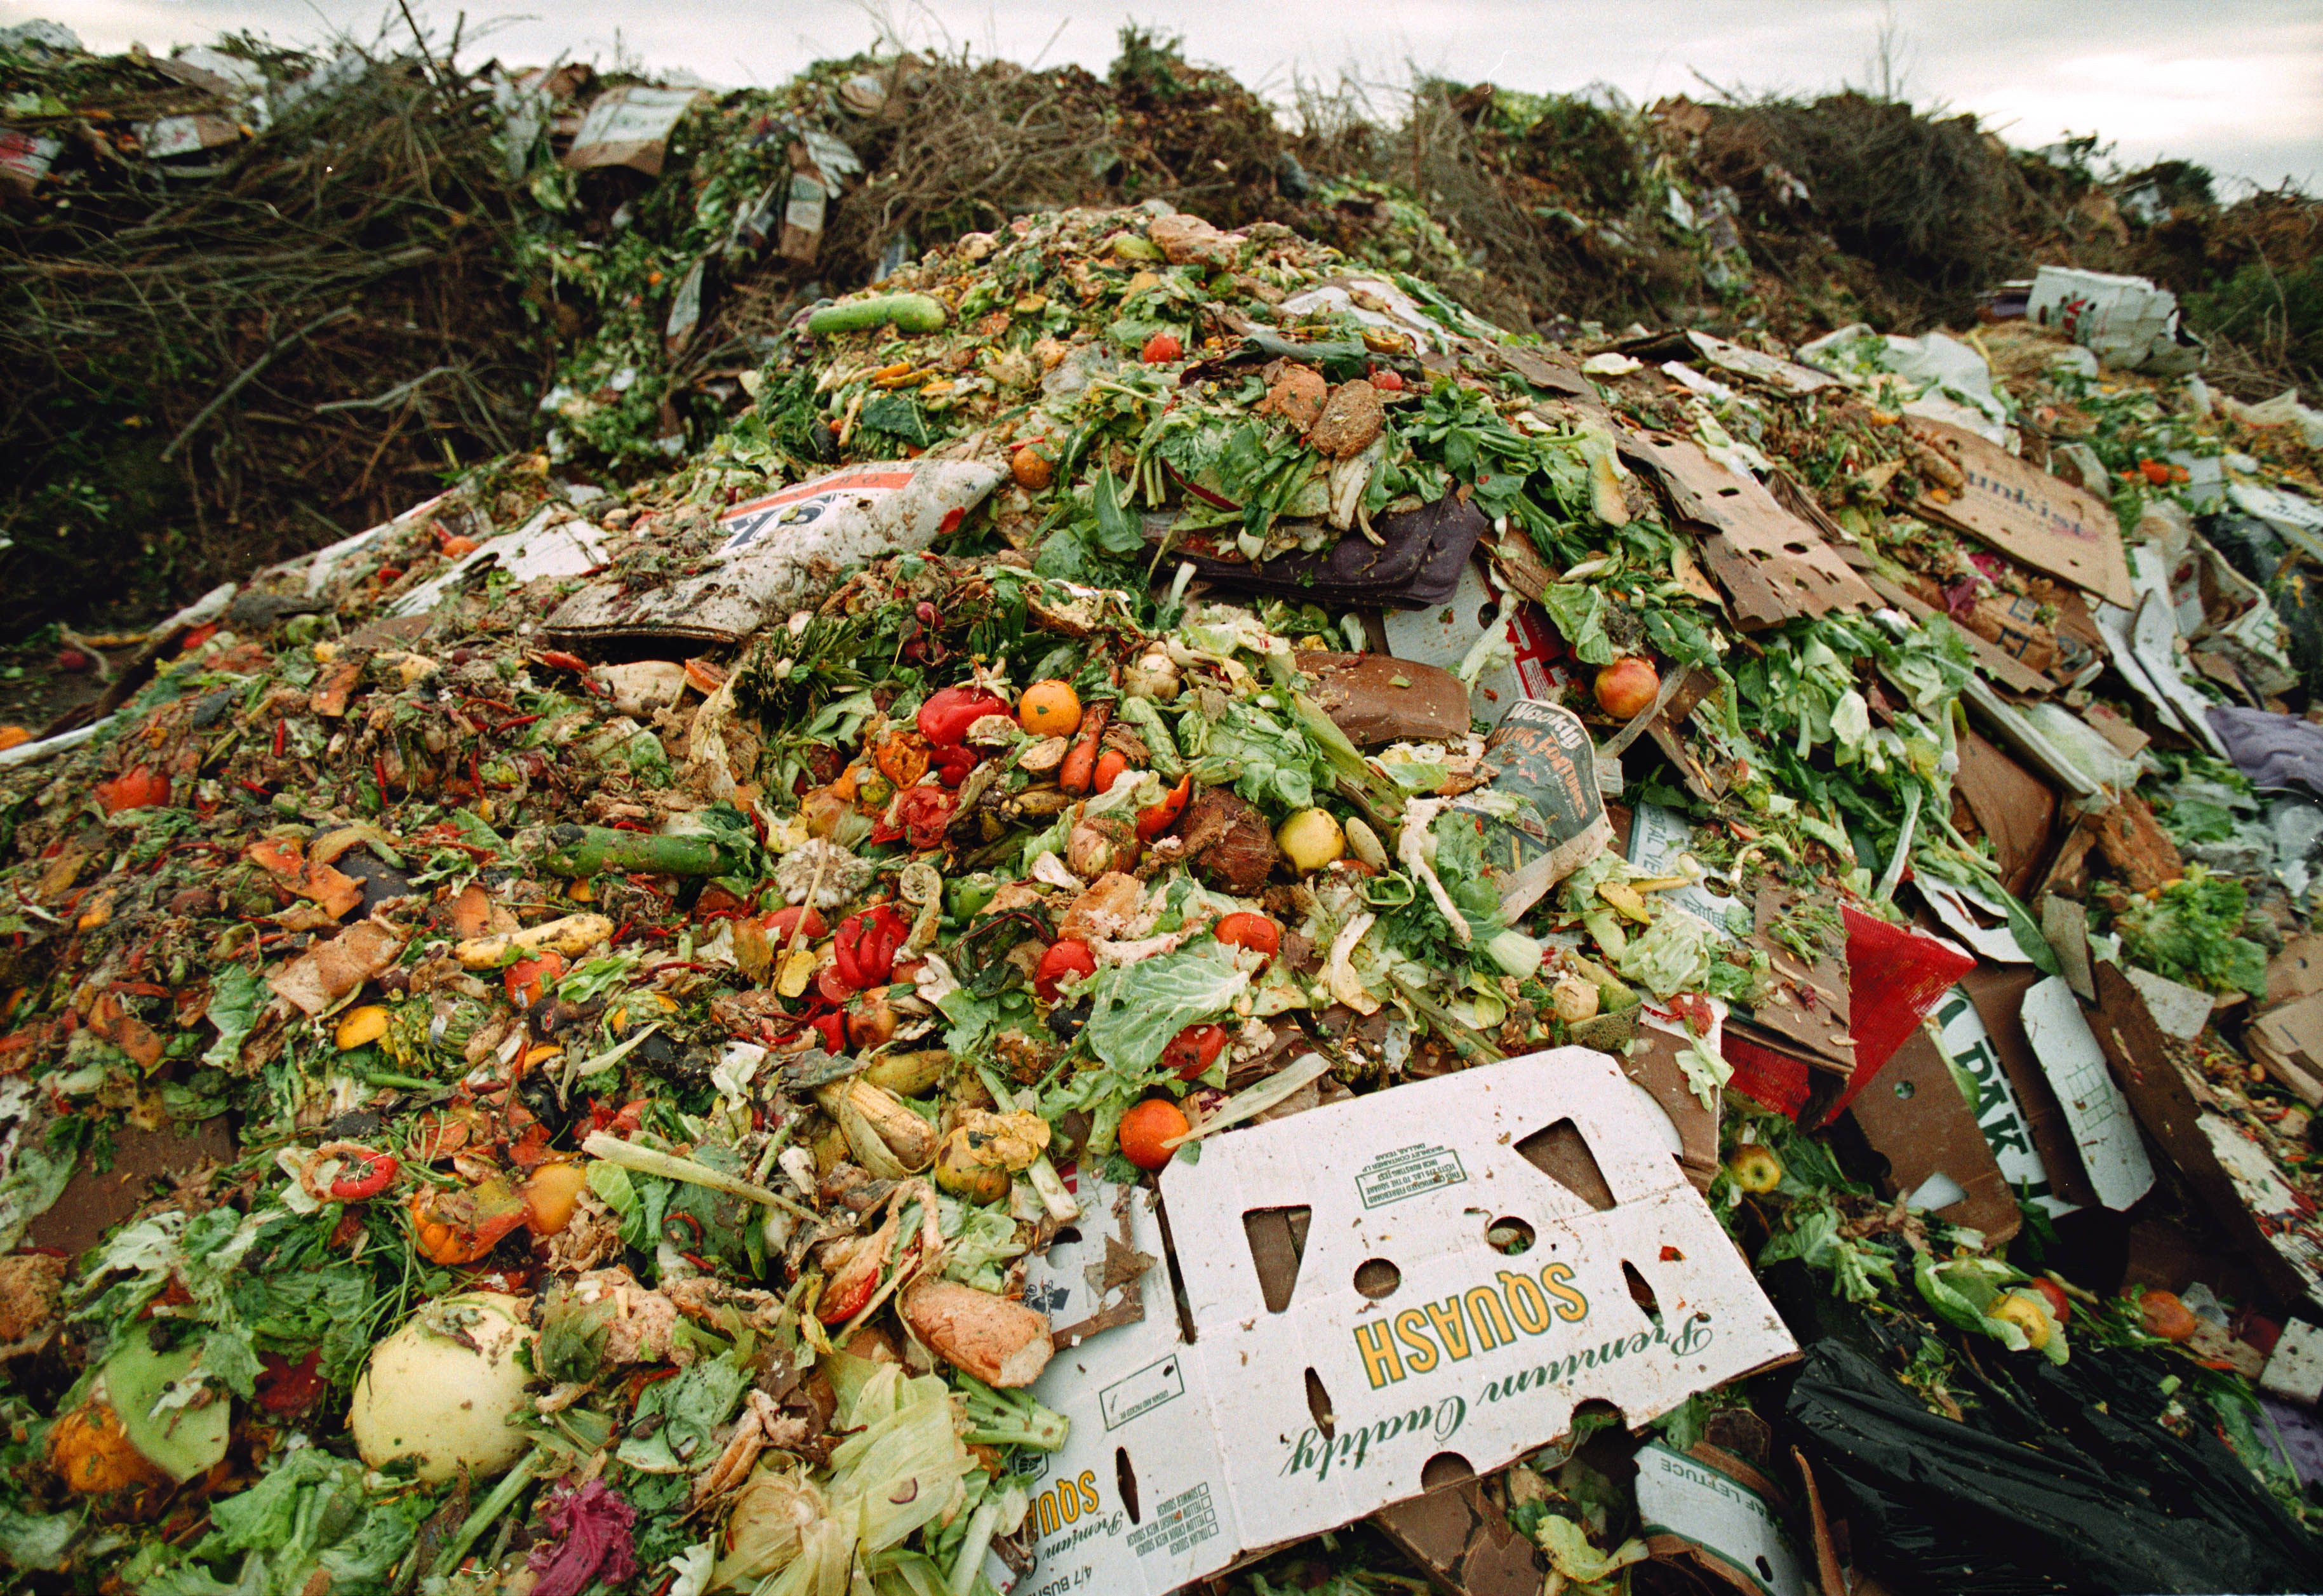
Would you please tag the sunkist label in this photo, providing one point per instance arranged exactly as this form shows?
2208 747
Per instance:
1497 1322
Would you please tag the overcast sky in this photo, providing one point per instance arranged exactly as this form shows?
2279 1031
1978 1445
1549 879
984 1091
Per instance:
2235 84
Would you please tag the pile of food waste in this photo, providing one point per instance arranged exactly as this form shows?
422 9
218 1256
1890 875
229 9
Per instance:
650 1040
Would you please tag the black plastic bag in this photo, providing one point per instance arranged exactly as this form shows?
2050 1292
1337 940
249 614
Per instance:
2062 1482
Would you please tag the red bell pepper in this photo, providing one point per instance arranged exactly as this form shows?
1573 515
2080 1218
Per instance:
365 1175
1151 823
865 948
949 712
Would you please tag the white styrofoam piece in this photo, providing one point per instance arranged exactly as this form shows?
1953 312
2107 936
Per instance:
1219 1439
1683 1496
2096 1111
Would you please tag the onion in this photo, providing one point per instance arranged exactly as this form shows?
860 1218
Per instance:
772 1514
441 1390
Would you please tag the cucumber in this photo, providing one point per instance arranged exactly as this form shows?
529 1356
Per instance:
911 313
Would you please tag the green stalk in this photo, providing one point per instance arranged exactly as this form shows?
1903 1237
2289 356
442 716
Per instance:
503 1498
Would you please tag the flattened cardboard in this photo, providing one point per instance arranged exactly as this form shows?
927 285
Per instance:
2029 515
2012 806
1284 1414
1916 1118
2006 1126
2071 1056
2296 971
1658 837
92 1204
1464 1542
2236 1177
2288 1041
1807 1004
1714 1511
1774 566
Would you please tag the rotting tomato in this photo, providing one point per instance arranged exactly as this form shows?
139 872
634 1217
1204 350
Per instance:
781 922
285 1387
1162 348
454 1227
365 1175
1254 932
1193 1050
528 979
925 814
864 951
1067 958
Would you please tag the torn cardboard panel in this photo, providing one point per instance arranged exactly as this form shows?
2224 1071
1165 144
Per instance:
2029 515
1774 566
1466 1545
1806 1001
1717 1514
630 126
1651 1063
2236 1177
2001 1118
94 1202
1772 370
1938 1157
2011 805
1957 909
2104 1129
1396 1343
2288 1042
1658 840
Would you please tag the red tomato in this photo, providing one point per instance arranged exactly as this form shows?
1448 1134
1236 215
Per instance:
1255 931
1147 1131
1387 381
1068 958
1194 1050
1109 765
1162 348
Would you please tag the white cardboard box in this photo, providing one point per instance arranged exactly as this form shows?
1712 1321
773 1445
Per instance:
1277 1416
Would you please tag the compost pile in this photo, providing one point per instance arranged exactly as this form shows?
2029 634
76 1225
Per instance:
805 1024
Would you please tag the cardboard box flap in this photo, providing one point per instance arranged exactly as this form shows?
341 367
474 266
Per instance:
1497 1347
1406 1335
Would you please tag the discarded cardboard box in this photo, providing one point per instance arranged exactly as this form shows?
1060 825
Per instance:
2289 1042
2024 513
1997 997
2003 1120
2238 1179
2012 806
1713 1511
1386 1342
630 127
93 1203
1938 1158
1464 1544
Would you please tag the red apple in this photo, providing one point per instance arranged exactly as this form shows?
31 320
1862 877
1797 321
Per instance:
1627 686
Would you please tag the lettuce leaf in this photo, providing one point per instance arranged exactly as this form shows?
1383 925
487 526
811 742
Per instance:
1141 1006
